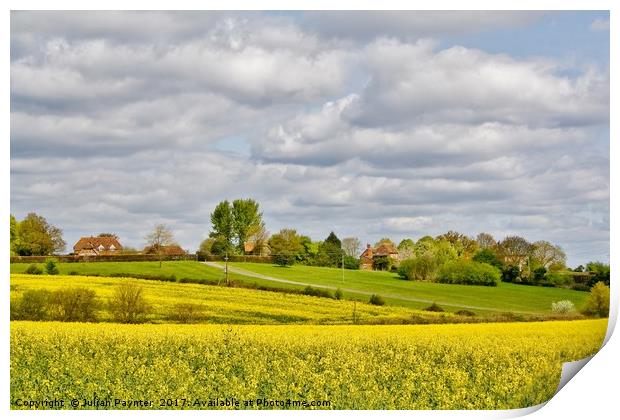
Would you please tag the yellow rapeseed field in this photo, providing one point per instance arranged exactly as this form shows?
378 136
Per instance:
225 305
477 366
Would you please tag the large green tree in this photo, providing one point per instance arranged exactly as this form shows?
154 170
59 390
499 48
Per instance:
222 223
232 223
246 219
35 236
330 251
13 231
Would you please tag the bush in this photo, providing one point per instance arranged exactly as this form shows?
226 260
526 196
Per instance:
73 304
311 291
598 301
33 269
338 294
351 263
562 307
284 258
465 312
405 269
376 300
538 275
600 273
73 273
557 279
128 304
469 272
187 313
33 305
510 274
51 266
434 308
423 267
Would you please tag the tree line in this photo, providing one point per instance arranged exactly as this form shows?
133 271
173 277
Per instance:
237 228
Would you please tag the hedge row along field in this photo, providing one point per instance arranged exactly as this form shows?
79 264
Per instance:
480 366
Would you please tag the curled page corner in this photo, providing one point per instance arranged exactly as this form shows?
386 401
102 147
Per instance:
570 369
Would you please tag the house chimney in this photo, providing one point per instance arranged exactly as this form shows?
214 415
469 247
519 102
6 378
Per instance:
367 246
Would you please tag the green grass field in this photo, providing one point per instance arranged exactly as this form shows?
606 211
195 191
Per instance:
504 297
357 284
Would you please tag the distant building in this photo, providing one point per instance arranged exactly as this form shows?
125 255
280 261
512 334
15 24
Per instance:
166 250
97 245
370 254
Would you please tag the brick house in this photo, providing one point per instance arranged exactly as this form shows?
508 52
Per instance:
370 254
97 245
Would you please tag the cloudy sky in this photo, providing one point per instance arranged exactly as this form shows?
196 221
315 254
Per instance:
369 124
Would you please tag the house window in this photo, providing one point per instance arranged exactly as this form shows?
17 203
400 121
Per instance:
112 248
101 248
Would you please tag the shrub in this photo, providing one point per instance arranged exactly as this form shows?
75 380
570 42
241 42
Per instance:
434 308
33 269
580 287
15 313
405 269
469 272
600 272
538 275
338 294
51 266
562 307
73 273
557 279
128 304
351 263
510 274
311 291
284 258
423 267
33 305
376 300
73 304
187 313
465 312
598 301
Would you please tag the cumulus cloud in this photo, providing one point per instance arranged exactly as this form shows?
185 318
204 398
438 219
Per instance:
600 25
366 25
353 122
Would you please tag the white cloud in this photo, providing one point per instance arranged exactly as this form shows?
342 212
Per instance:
355 125
600 25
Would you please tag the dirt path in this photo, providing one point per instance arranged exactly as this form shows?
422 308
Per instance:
361 292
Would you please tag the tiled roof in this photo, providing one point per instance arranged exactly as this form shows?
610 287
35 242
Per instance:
93 242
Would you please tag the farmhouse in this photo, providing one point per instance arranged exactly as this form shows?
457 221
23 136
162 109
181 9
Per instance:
97 245
370 255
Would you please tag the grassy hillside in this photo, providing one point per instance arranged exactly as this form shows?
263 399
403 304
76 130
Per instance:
357 284
225 304
504 297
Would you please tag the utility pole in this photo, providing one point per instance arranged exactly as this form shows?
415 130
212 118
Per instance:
226 267
342 254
